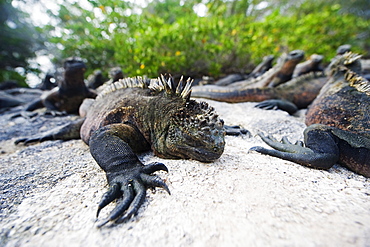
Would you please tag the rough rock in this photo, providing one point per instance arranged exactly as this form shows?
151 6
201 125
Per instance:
50 193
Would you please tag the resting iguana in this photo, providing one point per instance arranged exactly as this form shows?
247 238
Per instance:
281 72
312 64
71 91
135 115
259 70
338 120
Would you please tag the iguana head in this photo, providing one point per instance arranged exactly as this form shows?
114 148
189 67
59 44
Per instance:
296 55
193 130
74 69
342 63
74 63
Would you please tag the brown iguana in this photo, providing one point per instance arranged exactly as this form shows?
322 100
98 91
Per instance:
312 64
135 115
71 91
338 120
281 72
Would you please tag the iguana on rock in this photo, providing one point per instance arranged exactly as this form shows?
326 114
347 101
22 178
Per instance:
313 64
281 72
70 93
47 83
135 115
95 80
260 69
295 94
338 120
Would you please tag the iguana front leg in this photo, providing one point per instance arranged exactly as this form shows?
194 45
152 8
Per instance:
113 149
65 132
320 151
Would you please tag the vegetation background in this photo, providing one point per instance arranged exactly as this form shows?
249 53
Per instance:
194 37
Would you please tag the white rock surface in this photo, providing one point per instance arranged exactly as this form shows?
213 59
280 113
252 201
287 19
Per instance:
50 193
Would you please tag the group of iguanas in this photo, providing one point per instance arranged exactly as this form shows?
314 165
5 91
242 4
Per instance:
133 115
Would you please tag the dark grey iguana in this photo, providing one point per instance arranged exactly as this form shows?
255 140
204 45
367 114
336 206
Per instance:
129 117
338 120
71 91
95 80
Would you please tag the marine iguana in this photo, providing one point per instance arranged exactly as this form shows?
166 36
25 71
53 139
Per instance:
259 70
255 91
290 96
95 80
71 91
312 64
281 72
47 83
338 123
135 115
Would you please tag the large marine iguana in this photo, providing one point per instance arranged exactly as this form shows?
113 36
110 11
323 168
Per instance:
70 92
135 115
338 120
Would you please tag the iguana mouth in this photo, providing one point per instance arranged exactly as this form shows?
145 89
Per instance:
198 153
74 63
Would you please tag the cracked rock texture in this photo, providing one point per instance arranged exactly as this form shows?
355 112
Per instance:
50 191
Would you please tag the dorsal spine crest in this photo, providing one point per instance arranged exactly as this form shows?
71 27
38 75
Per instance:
183 90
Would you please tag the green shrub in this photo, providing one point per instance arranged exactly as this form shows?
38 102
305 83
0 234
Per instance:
153 43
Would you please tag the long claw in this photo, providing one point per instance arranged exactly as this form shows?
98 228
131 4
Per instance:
285 140
284 146
16 142
153 167
138 200
122 206
155 181
299 143
113 193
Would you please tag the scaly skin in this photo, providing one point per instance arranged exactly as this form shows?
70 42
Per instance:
260 69
280 73
128 118
70 93
311 65
95 80
301 91
339 123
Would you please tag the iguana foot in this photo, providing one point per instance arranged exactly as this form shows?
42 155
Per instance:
31 115
130 185
235 130
274 104
65 132
36 138
321 154
54 113
24 114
